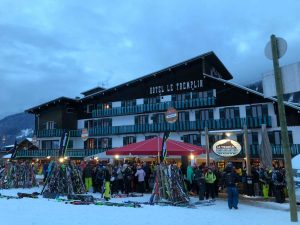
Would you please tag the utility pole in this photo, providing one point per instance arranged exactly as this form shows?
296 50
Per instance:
284 132
247 153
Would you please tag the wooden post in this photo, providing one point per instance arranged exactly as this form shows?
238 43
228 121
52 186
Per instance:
284 132
247 152
207 147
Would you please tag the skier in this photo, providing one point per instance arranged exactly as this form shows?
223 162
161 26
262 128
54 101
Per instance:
189 177
87 174
210 179
140 174
231 178
127 173
279 184
200 181
107 177
120 179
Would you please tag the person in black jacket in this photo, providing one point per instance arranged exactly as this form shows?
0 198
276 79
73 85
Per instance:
231 178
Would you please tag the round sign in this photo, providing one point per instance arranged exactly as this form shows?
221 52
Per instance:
227 148
281 46
84 134
171 115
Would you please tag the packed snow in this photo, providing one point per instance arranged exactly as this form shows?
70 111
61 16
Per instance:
28 211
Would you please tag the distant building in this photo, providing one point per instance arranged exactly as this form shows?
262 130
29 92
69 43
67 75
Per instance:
199 89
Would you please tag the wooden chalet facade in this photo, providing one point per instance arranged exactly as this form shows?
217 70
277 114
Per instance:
198 88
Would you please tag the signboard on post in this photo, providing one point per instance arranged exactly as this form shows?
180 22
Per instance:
171 115
227 148
84 134
290 80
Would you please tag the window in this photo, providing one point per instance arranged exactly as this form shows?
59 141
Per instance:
90 144
257 111
90 108
50 125
104 105
104 143
252 139
275 137
181 97
129 140
203 94
152 100
50 144
127 103
183 116
143 119
98 123
204 114
230 113
158 118
194 139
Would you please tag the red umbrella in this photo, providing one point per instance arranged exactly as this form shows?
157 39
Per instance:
153 145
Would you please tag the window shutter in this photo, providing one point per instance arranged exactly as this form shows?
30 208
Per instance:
236 112
173 98
146 100
197 115
158 99
136 120
211 114
187 116
109 142
290 137
187 96
265 110
248 111
222 113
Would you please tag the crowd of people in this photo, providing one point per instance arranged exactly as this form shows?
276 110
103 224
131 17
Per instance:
202 181
207 182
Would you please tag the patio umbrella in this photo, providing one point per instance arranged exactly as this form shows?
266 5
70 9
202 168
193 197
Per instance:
153 146
265 149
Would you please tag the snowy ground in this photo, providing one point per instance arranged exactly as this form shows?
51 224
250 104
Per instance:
45 212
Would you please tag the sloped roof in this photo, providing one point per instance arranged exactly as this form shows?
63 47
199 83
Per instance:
210 56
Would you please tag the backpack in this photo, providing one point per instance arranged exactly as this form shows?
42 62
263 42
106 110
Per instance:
229 179
279 177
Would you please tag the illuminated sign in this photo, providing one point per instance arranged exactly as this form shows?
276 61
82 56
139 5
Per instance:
227 148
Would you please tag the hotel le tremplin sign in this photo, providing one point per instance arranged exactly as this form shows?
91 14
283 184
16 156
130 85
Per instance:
227 148
176 86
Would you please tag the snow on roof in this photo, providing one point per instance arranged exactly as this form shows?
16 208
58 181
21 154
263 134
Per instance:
296 162
8 156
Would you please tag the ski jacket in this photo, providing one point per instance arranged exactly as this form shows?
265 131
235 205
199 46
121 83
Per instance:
140 173
189 174
210 177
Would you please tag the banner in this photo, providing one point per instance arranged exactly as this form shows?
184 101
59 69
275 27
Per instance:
163 153
63 143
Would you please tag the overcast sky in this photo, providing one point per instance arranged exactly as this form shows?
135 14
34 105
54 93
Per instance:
59 48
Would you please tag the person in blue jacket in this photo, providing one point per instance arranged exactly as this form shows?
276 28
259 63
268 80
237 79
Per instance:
231 178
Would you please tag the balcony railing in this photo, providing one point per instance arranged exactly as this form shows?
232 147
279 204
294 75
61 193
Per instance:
72 153
163 106
220 124
81 153
56 133
277 150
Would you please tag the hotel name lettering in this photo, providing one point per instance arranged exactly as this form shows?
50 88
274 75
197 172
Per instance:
178 86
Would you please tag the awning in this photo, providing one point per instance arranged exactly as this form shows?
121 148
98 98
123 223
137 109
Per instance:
153 146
